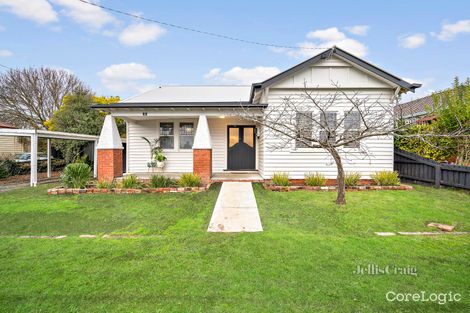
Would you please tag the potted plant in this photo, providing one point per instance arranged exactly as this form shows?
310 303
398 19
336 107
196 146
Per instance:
157 157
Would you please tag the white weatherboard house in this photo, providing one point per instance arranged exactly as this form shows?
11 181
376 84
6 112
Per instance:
202 132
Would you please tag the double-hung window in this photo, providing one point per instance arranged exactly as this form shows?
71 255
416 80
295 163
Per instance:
328 124
167 135
186 135
304 129
352 125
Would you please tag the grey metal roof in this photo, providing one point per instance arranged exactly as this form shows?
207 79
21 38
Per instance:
192 93
343 54
226 104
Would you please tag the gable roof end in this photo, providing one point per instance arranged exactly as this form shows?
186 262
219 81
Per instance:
342 54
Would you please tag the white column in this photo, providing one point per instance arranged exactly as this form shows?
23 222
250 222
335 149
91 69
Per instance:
49 168
202 138
95 158
34 160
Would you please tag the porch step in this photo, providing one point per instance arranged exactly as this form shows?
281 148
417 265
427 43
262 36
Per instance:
250 176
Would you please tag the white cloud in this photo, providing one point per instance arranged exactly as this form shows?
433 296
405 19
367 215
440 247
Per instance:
360 30
240 75
5 53
140 34
450 31
90 16
412 41
39 11
212 73
328 34
126 77
323 39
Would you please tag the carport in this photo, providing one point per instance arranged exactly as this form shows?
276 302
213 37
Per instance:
34 135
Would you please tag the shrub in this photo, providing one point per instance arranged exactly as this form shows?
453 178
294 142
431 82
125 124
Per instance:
281 179
104 184
315 179
9 167
3 172
189 180
160 181
76 175
386 178
352 179
130 182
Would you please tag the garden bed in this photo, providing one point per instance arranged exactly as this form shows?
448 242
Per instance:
88 190
334 188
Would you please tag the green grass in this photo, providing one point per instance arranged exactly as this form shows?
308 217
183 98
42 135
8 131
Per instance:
302 262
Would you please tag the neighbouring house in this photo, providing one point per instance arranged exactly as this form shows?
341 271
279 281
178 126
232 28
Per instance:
201 130
11 145
417 111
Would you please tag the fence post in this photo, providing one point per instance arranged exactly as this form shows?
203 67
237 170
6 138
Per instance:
437 176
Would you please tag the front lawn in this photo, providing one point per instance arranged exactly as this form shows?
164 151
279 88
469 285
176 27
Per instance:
303 261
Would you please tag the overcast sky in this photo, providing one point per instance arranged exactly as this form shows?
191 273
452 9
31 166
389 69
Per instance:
421 41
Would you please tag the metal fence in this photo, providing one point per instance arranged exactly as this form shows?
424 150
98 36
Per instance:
414 167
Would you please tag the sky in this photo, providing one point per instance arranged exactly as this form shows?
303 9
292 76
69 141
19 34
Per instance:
426 42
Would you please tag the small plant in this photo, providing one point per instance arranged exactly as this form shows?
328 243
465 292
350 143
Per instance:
281 179
156 152
315 179
76 175
104 184
386 178
160 181
352 179
189 180
130 182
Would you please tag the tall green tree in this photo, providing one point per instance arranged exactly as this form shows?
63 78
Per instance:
76 116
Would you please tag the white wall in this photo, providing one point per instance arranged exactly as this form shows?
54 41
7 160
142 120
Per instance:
178 160
297 162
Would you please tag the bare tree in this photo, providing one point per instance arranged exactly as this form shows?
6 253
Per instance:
311 119
28 97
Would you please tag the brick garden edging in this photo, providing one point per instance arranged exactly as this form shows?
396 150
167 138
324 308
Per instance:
75 191
334 188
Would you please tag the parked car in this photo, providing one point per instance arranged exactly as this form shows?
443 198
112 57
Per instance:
26 157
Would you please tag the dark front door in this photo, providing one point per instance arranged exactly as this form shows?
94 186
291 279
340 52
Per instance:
241 148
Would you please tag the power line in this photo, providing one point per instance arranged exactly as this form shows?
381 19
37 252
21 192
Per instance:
7 67
200 31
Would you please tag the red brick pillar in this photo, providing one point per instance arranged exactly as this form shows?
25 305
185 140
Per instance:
109 164
202 164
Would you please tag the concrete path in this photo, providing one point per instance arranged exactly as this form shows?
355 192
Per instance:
235 209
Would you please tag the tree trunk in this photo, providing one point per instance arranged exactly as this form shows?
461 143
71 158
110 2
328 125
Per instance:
341 198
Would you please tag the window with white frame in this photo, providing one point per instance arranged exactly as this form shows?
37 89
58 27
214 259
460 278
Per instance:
304 129
352 125
328 123
186 135
167 135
